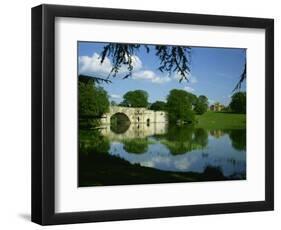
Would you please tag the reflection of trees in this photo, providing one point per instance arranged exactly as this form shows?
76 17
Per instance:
238 138
201 137
182 139
136 145
92 142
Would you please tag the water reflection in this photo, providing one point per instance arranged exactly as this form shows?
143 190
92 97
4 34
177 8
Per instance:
238 138
136 145
172 148
158 153
92 141
180 140
134 130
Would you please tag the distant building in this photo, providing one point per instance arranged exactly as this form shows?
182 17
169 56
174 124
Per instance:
217 107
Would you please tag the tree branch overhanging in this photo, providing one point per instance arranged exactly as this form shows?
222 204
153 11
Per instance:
242 79
172 58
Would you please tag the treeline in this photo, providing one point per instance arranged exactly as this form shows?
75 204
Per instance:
181 106
238 103
93 102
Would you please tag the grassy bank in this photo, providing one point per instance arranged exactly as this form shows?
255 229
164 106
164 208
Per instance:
220 120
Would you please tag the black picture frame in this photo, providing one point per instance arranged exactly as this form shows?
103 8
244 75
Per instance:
43 114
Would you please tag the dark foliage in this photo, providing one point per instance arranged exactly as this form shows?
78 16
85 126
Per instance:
136 98
179 106
94 171
238 102
201 105
158 106
92 79
119 123
172 58
93 100
242 78
238 139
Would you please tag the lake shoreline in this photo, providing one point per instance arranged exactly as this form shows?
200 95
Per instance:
164 153
107 170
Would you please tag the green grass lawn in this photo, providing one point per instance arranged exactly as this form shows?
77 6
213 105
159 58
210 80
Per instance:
220 120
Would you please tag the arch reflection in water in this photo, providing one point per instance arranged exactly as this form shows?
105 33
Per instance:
158 152
119 123
133 130
180 148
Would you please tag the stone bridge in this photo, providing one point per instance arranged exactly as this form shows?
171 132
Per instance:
136 115
135 131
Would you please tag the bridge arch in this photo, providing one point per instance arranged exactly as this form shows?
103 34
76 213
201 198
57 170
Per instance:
119 122
135 115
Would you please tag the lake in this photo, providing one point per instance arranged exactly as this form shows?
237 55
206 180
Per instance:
160 153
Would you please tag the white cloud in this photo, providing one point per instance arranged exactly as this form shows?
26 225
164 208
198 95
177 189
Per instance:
211 101
150 76
136 63
92 65
192 79
148 164
115 96
177 76
182 164
189 89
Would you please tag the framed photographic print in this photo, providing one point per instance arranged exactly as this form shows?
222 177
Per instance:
142 114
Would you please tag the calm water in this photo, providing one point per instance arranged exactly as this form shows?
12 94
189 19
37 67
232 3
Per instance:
171 148
180 148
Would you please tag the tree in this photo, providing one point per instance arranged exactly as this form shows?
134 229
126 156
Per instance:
243 75
93 142
201 105
179 106
137 98
113 103
201 137
238 139
193 98
172 58
238 102
136 145
203 99
158 106
93 100
180 140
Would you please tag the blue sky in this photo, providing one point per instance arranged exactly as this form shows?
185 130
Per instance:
214 73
